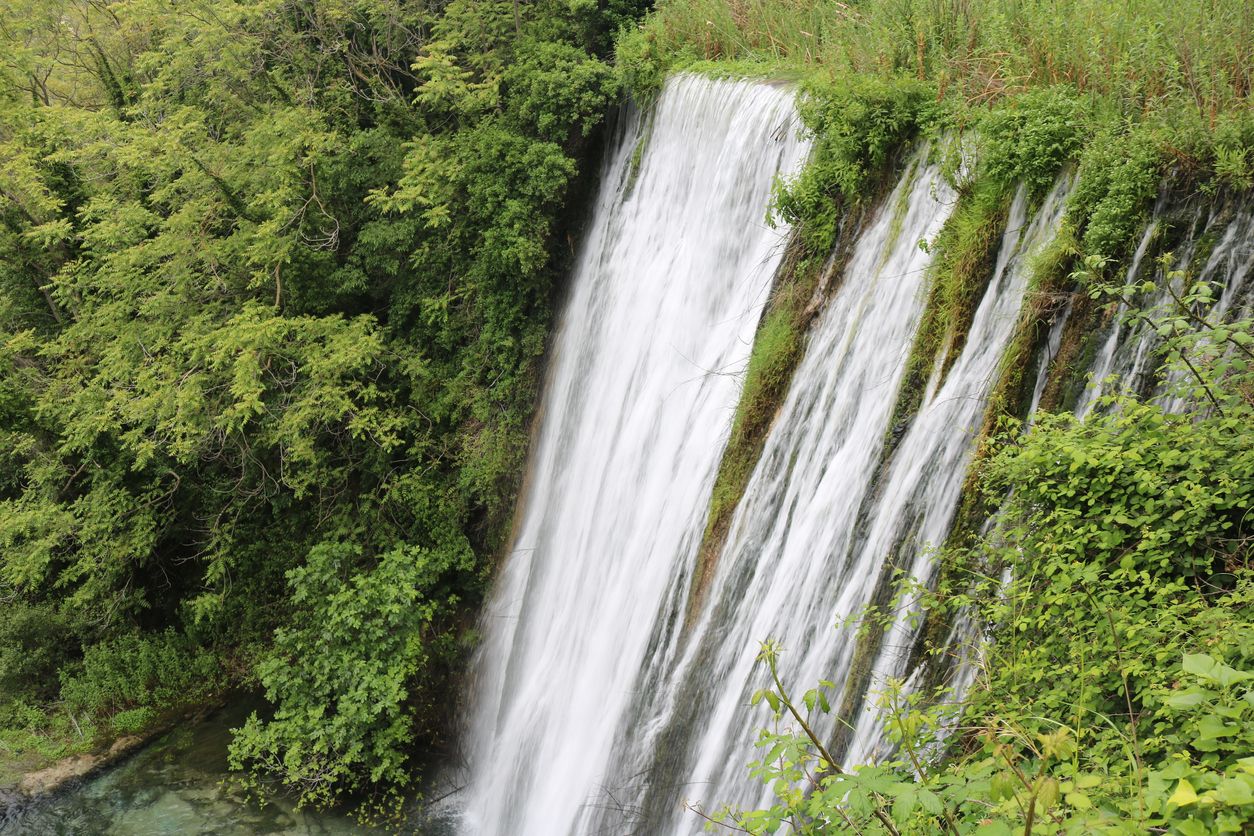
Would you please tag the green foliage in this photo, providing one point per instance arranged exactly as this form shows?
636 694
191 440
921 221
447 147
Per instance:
559 88
137 672
275 278
641 64
1137 55
341 673
1029 138
857 124
1010 780
1119 176
34 644
133 720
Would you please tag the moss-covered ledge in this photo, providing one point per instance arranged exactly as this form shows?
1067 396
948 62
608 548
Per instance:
806 279
861 129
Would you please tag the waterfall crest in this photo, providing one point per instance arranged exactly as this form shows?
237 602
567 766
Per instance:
664 303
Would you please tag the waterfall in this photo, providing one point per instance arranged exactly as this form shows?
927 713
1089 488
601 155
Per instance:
785 571
822 513
663 305
1217 246
594 709
930 465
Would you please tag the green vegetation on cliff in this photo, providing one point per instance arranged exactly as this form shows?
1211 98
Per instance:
1115 696
1017 99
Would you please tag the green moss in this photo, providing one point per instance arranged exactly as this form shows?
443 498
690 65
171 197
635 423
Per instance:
901 207
637 151
860 128
777 349
776 352
964 253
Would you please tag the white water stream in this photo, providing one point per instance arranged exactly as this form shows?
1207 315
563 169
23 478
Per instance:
643 383
1127 360
789 569
821 517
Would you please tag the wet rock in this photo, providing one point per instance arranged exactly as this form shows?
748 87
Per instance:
58 775
124 746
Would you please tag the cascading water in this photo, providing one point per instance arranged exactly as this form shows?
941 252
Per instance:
820 515
637 409
1221 238
786 562
594 711
1127 358
930 464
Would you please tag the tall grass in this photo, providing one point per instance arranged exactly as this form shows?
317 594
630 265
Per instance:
1140 53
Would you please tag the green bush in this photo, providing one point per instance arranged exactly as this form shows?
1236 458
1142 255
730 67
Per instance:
858 125
342 675
640 64
1030 137
555 89
35 641
140 671
132 720
1120 173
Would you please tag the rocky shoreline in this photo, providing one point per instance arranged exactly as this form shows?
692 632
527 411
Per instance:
49 780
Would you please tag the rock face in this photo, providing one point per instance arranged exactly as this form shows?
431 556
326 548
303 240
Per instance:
123 746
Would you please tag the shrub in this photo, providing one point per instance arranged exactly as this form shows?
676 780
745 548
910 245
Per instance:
140 671
1119 175
858 125
35 641
1030 137
133 720
341 674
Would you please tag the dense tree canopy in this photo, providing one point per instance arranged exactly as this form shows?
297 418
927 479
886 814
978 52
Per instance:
275 278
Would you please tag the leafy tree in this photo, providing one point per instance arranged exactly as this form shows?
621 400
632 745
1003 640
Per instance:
275 280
